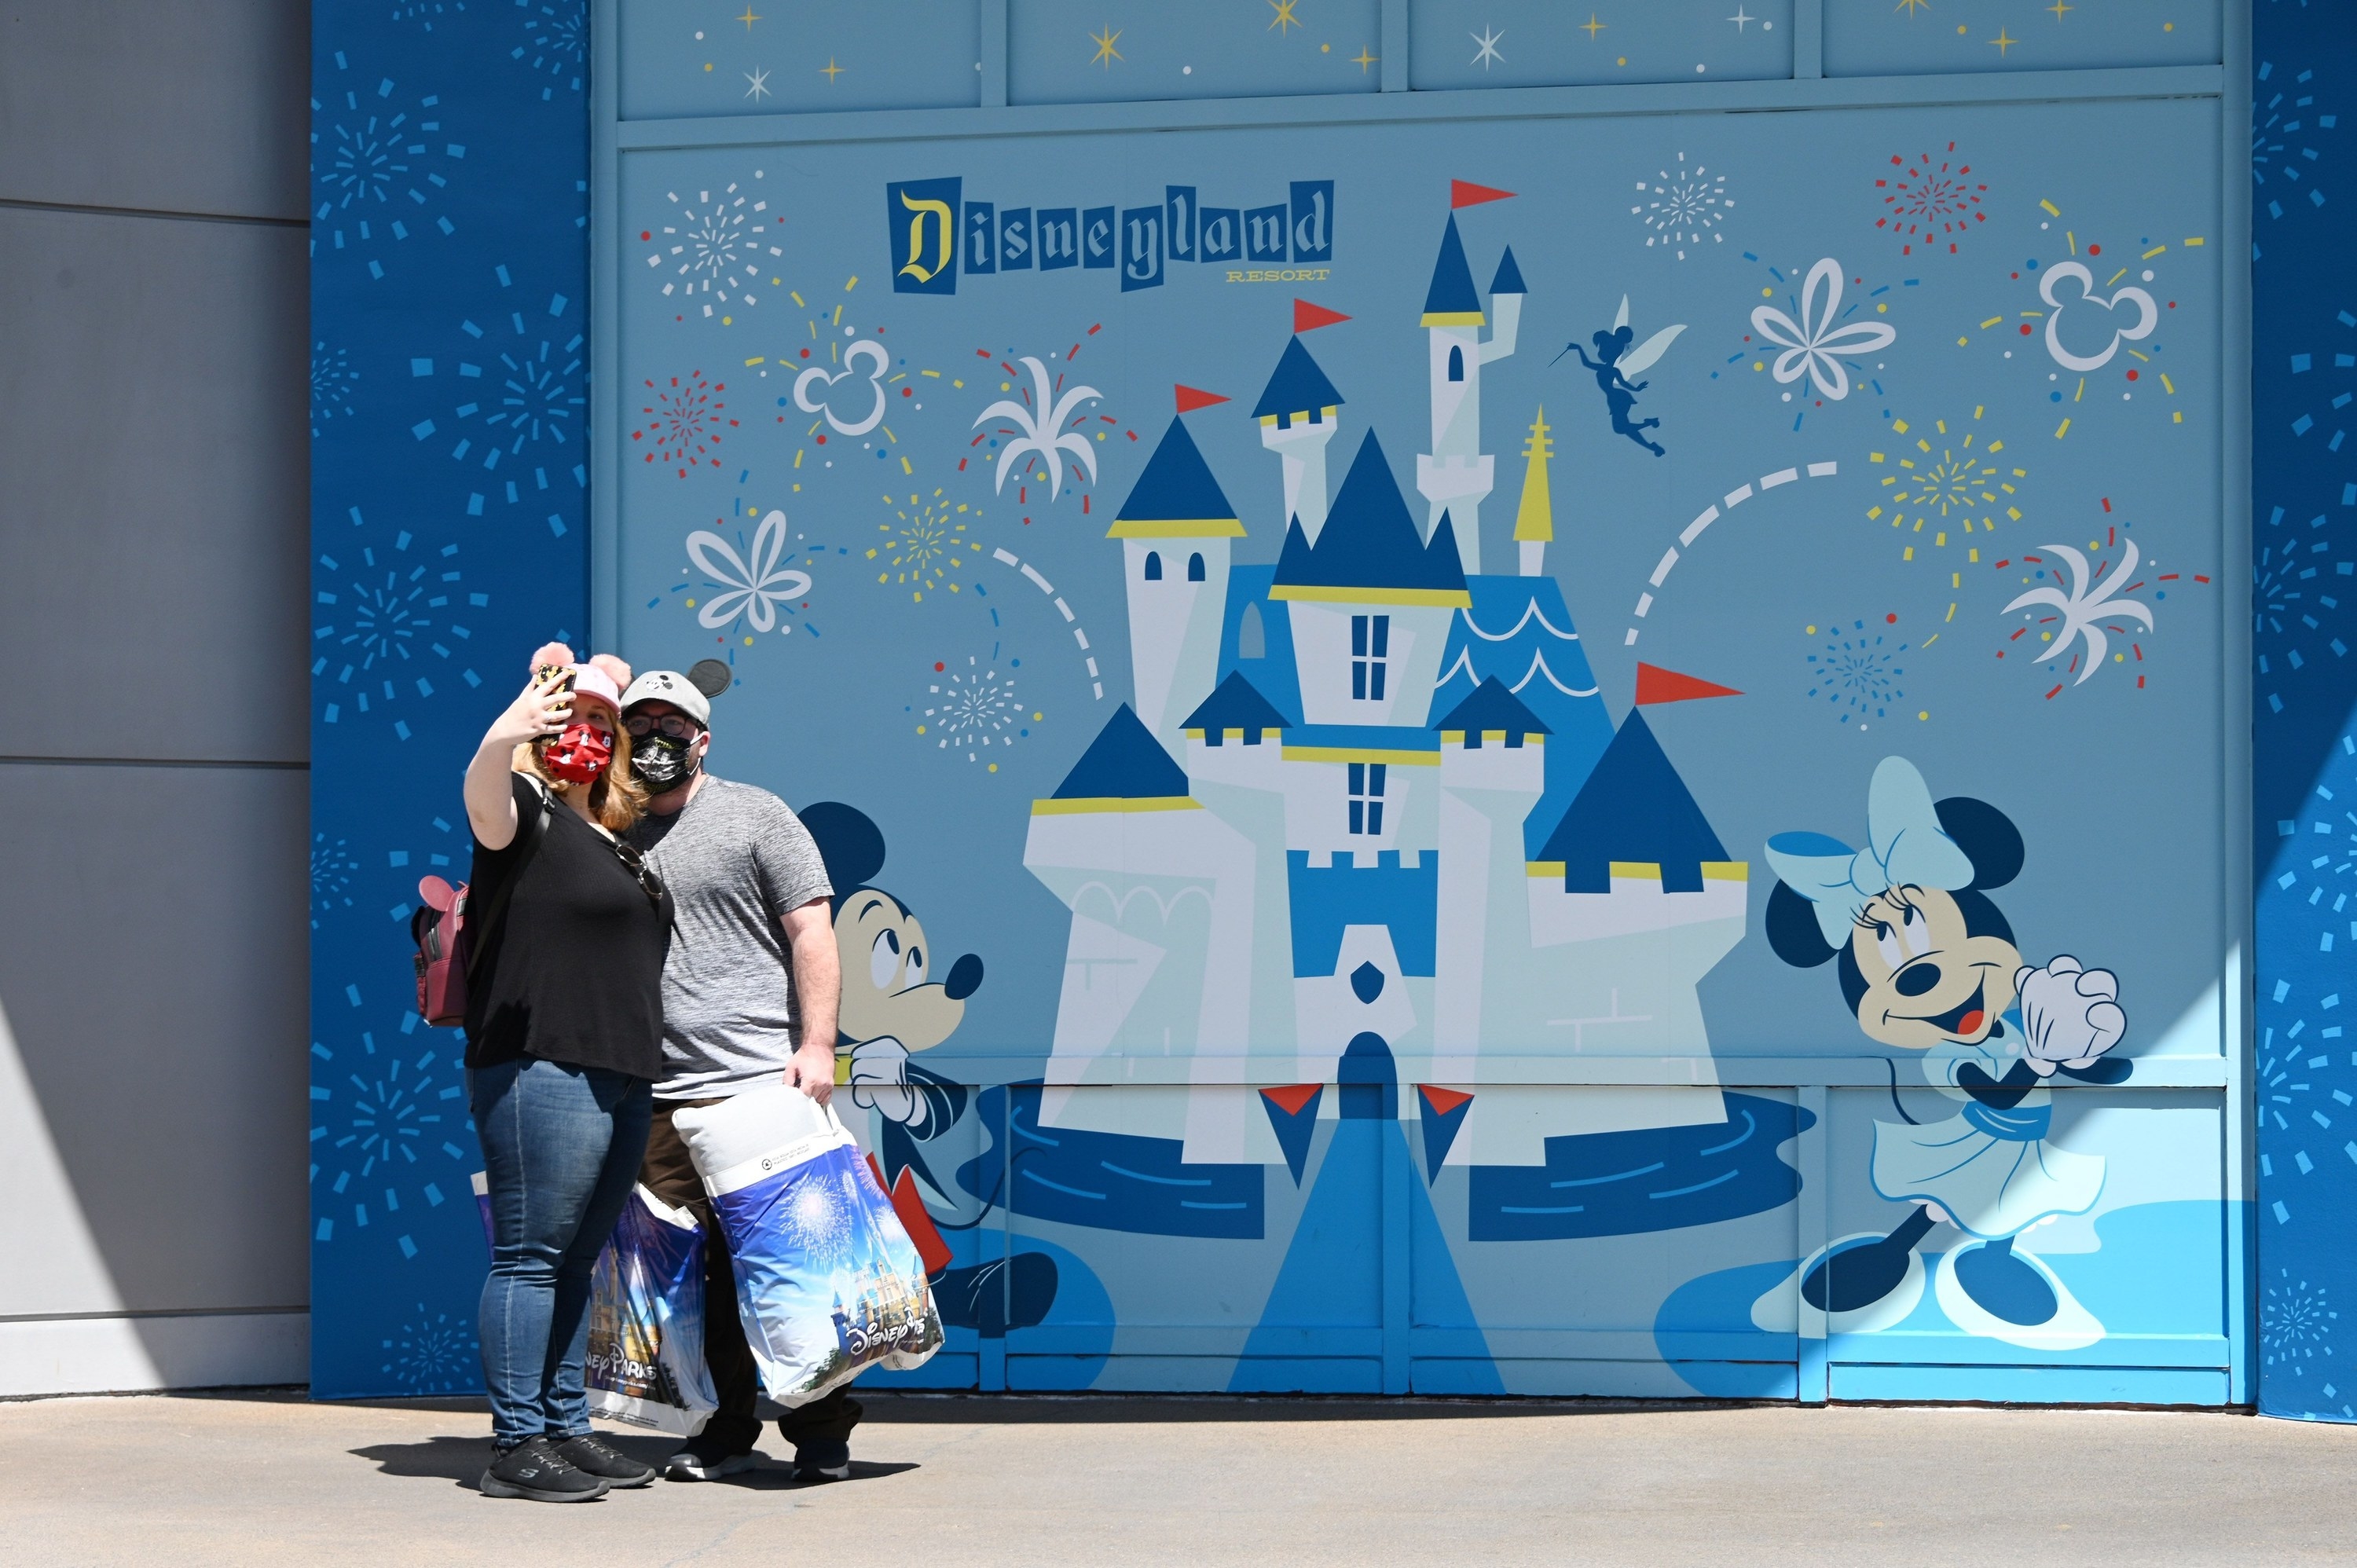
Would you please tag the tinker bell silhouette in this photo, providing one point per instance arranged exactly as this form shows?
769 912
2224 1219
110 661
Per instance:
1615 361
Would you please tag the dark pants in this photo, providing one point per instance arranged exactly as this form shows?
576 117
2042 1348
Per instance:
821 1430
560 1146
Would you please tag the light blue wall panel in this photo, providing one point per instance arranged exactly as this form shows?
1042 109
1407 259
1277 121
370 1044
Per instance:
1083 51
703 58
1542 43
1875 37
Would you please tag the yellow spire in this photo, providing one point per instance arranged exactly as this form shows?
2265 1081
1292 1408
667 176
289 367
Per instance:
1535 519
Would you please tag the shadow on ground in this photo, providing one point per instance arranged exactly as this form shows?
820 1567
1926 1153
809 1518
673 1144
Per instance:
463 1459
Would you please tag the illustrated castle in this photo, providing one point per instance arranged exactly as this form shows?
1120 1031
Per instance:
1372 791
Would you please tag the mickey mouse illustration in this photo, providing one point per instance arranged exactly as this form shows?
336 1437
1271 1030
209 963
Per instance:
1928 963
890 1009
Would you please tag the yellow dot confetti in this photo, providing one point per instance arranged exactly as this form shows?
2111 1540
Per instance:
1926 714
1810 630
993 768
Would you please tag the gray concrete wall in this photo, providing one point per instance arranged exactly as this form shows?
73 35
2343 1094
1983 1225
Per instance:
153 720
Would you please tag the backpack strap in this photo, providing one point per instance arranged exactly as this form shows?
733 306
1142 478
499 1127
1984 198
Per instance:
529 832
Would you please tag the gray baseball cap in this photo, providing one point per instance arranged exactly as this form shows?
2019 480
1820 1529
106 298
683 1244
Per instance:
691 693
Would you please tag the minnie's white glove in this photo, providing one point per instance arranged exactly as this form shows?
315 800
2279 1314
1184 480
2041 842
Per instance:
879 1081
2070 1016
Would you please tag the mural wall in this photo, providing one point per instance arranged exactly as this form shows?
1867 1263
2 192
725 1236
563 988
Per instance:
1540 756
1525 751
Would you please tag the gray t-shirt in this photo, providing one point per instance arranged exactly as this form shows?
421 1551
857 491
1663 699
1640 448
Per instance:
736 860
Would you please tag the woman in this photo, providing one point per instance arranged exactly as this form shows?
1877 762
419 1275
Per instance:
563 1042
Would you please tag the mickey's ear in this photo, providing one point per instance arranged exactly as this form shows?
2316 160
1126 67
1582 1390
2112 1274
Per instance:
1987 837
551 653
710 677
616 670
1792 930
851 845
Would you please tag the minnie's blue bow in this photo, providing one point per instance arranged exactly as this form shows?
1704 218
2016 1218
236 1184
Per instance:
1905 847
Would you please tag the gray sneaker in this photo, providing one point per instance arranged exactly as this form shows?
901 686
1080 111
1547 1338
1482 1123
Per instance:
535 1470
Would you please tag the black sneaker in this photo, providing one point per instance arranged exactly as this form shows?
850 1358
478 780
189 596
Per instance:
703 1459
823 1462
534 1469
591 1456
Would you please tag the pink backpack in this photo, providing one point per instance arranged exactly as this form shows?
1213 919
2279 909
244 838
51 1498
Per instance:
445 931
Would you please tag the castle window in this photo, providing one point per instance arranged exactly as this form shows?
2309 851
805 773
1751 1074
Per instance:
1251 637
1456 363
1195 567
1371 640
1154 565
1367 799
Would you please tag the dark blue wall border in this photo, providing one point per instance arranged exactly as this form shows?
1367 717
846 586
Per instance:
2304 750
449 528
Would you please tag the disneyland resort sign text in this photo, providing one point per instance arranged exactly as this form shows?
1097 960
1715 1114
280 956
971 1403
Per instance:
936 234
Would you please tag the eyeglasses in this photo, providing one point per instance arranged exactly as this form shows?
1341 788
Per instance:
674 726
636 863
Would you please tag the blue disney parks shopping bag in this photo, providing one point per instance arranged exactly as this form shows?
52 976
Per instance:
827 1281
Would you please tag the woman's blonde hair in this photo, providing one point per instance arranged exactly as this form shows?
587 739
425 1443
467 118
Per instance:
616 799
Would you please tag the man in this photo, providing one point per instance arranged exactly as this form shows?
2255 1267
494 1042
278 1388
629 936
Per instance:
750 991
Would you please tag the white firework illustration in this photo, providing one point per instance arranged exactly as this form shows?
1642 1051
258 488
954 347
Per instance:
972 709
434 1353
818 1216
1683 206
713 245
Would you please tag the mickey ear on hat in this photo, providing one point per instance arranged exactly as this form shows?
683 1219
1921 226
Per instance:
710 677
551 653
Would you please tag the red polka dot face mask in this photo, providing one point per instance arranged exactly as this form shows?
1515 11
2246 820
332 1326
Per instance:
578 753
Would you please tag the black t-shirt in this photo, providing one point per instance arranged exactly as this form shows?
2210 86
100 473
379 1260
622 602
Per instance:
574 970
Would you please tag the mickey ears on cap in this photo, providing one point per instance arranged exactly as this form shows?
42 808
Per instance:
710 677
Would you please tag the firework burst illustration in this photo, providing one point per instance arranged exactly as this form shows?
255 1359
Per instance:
712 247
1858 671
683 422
434 1353
384 1134
818 1217
1682 207
2285 132
1954 477
539 397
925 543
422 12
331 877
377 168
2074 603
974 709
2299 1323
331 385
1041 430
1930 203
556 41
383 613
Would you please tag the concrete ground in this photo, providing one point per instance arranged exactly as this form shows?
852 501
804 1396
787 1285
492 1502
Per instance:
269 1478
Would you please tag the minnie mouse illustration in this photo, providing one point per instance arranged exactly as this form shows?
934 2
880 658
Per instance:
1928 963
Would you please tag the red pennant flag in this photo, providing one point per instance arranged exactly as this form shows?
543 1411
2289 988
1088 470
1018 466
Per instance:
1465 193
1442 1100
1308 317
1655 684
1193 398
1292 1097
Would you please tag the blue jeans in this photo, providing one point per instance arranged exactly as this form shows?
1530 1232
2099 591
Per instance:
561 1149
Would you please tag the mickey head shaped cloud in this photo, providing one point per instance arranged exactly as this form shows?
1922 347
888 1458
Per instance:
2148 315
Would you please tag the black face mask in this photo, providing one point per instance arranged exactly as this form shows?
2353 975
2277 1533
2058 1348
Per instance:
661 763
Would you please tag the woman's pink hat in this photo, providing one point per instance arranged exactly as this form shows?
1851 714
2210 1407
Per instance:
602 678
